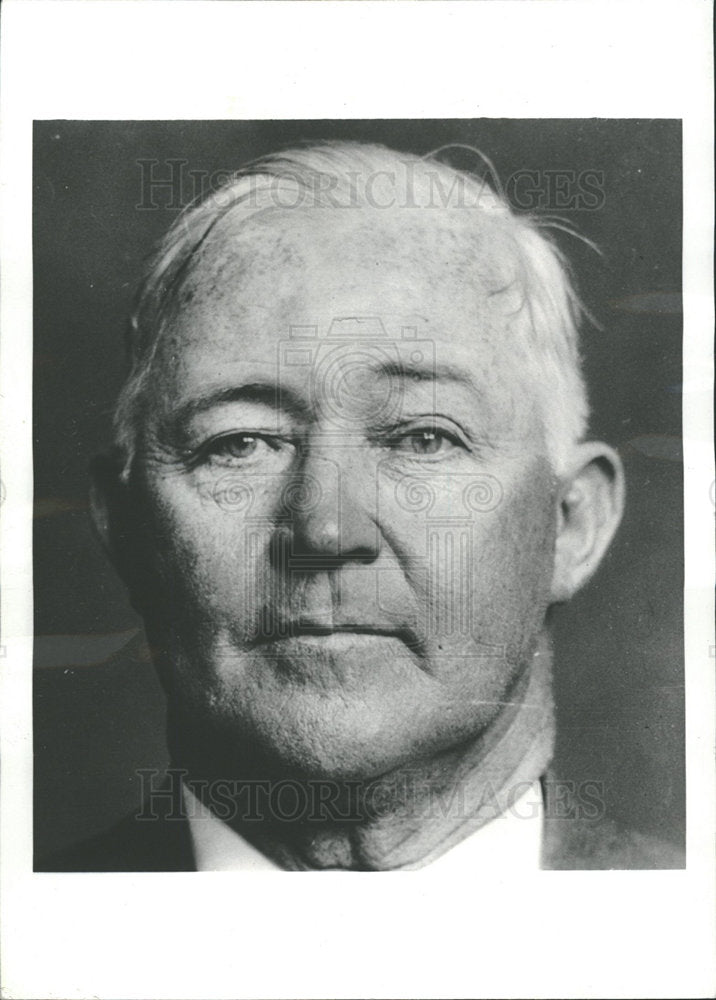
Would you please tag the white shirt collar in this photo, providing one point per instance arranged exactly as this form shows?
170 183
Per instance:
510 842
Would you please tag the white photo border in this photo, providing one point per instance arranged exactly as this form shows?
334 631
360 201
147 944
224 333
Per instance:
576 934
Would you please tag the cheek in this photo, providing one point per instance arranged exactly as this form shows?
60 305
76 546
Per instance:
472 564
488 607
207 543
478 551
516 557
518 553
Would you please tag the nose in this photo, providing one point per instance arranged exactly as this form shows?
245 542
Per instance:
328 508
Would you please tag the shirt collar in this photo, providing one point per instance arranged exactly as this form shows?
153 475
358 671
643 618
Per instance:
510 842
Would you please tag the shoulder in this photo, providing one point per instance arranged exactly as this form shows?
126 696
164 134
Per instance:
575 839
583 845
132 845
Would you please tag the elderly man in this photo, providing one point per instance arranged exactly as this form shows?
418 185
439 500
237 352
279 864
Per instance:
350 482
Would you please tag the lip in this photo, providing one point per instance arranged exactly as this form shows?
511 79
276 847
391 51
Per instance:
337 638
316 628
338 635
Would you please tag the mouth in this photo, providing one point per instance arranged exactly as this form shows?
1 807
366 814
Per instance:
339 639
311 628
339 636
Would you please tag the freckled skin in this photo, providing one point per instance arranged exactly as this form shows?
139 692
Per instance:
367 704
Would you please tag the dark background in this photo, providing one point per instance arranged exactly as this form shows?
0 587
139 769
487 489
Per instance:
98 710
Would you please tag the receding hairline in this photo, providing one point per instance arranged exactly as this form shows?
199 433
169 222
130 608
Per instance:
549 301
284 241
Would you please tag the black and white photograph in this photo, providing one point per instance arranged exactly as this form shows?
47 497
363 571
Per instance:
391 479
356 500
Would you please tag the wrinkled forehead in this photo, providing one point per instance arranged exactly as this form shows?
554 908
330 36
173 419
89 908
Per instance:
422 248
438 289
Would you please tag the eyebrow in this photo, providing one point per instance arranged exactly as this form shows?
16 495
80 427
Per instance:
283 397
263 393
438 372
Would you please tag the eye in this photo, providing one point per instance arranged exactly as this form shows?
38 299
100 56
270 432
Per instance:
426 441
236 448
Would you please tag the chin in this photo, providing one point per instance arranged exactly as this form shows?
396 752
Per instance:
341 715
306 734
316 735
328 737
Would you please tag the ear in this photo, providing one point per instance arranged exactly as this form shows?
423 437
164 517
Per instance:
112 510
591 503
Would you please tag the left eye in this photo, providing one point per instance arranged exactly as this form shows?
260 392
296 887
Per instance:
425 442
237 447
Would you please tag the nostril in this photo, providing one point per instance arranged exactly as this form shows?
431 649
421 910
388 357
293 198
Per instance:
324 520
294 548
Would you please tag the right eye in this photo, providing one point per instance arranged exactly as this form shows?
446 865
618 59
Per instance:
241 448
235 446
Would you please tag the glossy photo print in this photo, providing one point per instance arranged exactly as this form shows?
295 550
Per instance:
358 499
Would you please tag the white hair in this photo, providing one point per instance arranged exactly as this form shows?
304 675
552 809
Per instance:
342 175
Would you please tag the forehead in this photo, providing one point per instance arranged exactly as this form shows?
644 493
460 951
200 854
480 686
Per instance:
427 301
442 277
445 271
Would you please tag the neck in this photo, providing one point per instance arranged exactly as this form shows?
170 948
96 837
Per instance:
415 813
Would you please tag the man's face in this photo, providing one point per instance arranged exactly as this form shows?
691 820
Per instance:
352 516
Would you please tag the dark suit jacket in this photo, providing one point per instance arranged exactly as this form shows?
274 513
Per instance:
570 842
